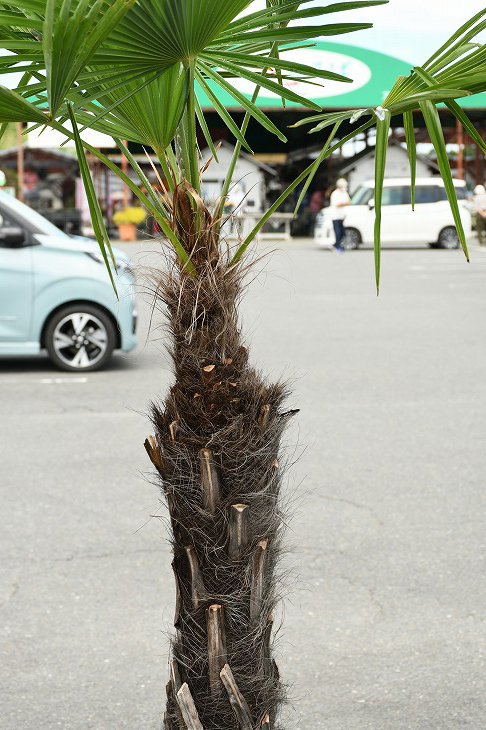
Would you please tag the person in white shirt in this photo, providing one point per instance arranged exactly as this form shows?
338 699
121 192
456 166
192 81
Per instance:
479 201
339 202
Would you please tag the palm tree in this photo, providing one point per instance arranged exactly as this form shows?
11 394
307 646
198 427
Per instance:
131 69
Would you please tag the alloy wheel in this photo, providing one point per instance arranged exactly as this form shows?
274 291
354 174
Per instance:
80 340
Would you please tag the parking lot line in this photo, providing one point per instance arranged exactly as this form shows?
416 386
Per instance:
43 381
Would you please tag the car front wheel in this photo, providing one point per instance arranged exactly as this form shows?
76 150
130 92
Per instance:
80 339
448 238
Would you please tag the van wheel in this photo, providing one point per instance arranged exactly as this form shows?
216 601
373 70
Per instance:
448 238
80 339
351 239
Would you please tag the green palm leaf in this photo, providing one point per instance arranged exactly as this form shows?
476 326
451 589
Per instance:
382 128
434 128
14 108
412 151
71 37
94 206
147 115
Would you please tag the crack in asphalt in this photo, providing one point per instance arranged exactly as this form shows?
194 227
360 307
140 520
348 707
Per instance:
86 556
353 504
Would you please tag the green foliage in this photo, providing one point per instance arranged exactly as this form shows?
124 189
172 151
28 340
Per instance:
383 118
148 115
456 70
130 69
71 34
412 151
94 207
14 108
432 121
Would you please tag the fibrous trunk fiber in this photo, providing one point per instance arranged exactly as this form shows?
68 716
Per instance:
216 444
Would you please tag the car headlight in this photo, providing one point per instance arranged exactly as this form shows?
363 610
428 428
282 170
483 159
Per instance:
121 264
96 256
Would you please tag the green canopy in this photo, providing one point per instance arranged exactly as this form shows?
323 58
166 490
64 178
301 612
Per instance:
373 75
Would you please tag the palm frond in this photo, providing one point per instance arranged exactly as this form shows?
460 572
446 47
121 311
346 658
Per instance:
456 70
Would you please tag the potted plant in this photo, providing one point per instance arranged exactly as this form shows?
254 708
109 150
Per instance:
127 221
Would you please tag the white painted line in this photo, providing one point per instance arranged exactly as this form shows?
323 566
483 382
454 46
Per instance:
57 381
43 381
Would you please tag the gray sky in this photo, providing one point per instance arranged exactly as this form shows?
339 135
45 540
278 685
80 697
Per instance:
409 29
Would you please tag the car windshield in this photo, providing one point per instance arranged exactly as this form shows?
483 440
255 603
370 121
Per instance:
362 195
20 210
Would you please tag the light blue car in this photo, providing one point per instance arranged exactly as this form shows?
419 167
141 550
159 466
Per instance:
55 293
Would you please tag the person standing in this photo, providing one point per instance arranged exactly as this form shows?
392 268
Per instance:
339 202
479 201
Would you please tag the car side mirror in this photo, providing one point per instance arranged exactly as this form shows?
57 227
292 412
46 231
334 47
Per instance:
12 236
371 203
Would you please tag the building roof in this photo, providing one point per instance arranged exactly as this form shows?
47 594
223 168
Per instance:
206 153
41 153
351 163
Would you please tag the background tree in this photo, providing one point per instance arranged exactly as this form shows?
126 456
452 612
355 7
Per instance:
130 69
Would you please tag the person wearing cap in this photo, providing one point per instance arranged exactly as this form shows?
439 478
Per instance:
480 206
339 202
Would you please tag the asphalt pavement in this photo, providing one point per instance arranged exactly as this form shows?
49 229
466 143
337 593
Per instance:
384 620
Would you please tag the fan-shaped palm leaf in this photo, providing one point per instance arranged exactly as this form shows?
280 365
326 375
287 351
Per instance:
147 115
14 108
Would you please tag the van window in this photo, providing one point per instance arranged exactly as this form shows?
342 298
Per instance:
460 193
426 194
362 195
396 195
29 218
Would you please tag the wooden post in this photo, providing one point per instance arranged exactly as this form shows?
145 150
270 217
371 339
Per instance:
20 163
238 523
211 487
188 708
216 646
237 701
460 150
257 580
477 165
197 585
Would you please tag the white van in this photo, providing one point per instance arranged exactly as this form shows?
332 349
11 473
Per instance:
431 222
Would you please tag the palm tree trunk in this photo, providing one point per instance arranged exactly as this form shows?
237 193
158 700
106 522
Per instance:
216 444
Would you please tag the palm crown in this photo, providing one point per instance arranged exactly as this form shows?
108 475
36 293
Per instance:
129 69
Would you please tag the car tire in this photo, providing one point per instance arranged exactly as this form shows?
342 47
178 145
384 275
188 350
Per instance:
351 239
448 238
80 338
